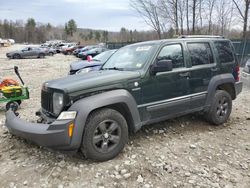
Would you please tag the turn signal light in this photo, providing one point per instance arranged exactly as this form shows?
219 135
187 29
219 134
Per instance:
70 129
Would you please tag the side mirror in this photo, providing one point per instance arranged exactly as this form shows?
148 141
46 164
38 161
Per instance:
162 66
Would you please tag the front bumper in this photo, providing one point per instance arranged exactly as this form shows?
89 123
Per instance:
54 135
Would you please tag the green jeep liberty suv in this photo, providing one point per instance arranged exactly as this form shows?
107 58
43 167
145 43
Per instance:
140 84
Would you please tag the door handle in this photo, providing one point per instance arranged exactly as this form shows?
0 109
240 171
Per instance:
185 74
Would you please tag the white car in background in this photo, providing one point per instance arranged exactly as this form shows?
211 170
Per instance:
245 74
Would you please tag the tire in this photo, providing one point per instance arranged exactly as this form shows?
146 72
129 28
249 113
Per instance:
12 105
110 130
41 55
51 53
19 102
68 53
220 108
16 56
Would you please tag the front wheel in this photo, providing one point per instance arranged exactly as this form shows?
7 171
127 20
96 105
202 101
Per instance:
220 108
13 105
105 135
16 56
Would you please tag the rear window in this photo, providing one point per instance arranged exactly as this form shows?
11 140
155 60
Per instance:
200 53
225 51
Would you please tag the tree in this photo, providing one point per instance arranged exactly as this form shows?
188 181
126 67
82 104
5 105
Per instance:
97 36
169 9
210 4
243 9
105 36
194 7
224 15
150 12
30 28
90 35
70 27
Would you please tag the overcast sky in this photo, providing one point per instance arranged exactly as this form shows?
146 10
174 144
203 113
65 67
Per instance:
97 14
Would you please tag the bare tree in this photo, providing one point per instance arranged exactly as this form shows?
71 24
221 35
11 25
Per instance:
169 11
149 11
209 6
194 6
243 9
224 15
187 16
181 9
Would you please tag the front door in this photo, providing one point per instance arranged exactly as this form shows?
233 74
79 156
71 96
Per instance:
166 93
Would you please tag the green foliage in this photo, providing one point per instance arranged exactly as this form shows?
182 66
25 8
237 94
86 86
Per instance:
70 27
31 23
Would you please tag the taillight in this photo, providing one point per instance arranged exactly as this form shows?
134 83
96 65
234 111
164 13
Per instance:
236 73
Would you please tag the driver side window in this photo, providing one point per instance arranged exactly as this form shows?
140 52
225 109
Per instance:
172 52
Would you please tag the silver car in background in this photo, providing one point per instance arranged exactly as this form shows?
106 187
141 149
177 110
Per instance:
28 52
245 74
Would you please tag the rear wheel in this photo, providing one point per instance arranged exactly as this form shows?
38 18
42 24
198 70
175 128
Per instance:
105 135
41 55
51 53
220 109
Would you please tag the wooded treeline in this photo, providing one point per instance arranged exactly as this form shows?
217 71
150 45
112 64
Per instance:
35 32
215 17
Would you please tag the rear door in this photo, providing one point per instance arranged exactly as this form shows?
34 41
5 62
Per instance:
202 69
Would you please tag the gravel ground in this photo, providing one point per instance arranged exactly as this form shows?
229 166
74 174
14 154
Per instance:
182 152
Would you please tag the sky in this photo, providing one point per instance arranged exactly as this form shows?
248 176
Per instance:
108 15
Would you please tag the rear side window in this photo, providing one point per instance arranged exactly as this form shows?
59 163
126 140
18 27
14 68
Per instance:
200 53
225 51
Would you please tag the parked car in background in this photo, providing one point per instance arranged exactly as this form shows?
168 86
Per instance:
86 48
28 52
87 66
48 51
246 70
70 50
62 46
245 75
93 52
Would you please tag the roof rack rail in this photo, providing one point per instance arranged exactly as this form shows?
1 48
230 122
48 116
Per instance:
200 36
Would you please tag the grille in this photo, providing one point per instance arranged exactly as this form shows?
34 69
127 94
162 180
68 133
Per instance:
47 101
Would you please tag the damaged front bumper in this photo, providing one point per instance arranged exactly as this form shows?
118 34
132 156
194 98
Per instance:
54 135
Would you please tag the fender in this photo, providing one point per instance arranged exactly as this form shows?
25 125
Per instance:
215 82
86 105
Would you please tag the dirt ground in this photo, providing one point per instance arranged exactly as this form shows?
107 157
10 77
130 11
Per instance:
183 152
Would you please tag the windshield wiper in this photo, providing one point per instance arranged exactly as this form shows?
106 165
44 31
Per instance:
114 68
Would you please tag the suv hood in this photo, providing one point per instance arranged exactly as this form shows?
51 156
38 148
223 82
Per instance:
93 81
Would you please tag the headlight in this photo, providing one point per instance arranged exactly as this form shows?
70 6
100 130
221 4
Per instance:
84 70
57 103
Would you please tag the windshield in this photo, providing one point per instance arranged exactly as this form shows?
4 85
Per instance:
130 57
103 56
